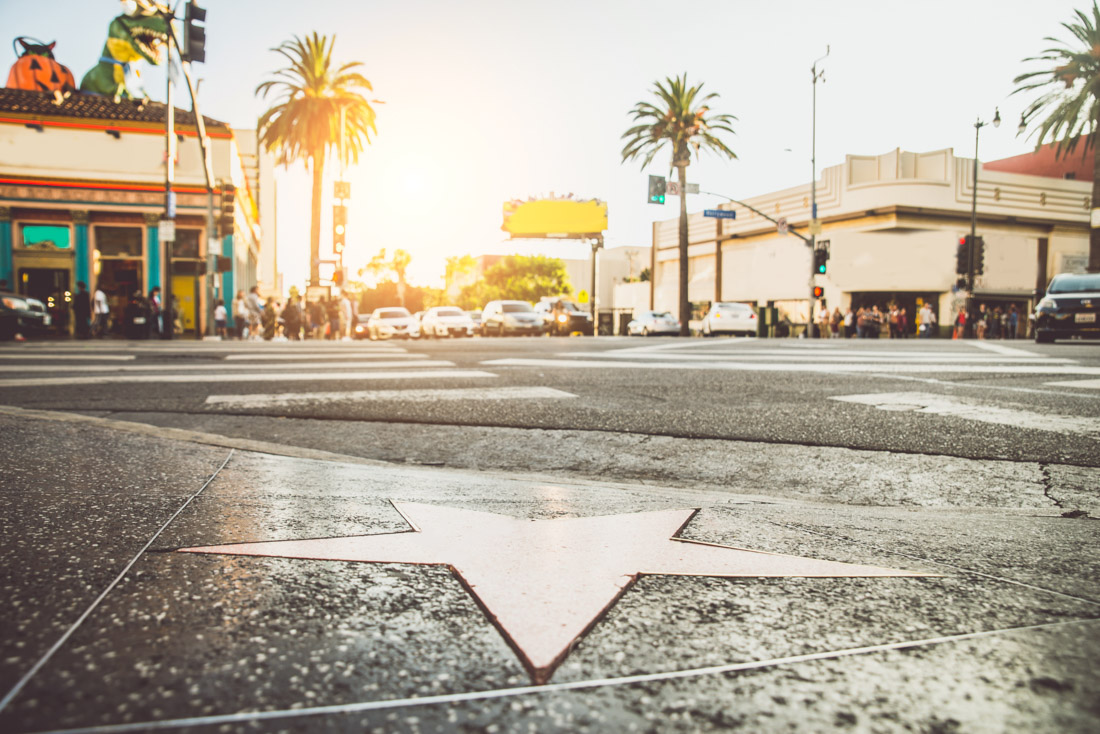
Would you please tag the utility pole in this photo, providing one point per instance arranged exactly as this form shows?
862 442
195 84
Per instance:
167 229
978 125
815 224
593 300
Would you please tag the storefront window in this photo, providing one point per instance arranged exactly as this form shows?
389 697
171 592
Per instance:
44 236
118 241
187 244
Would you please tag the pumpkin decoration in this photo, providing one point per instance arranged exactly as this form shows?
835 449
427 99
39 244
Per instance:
37 70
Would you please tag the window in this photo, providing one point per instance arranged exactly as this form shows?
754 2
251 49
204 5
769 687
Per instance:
118 241
46 236
186 244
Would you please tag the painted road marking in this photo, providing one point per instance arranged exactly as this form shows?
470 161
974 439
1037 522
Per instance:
1000 348
96 357
833 356
357 354
932 403
843 368
221 366
1088 384
266 377
411 396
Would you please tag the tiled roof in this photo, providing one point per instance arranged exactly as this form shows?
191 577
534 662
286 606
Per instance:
94 107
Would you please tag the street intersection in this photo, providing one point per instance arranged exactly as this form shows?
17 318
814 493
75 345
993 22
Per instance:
502 535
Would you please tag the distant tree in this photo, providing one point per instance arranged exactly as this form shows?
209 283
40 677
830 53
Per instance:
304 123
1069 96
681 118
458 265
380 266
518 278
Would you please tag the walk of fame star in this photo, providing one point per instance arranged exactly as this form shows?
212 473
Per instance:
544 583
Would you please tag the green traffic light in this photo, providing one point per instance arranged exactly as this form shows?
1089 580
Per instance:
821 269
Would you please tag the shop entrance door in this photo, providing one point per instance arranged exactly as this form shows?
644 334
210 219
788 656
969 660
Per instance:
120 279
52 287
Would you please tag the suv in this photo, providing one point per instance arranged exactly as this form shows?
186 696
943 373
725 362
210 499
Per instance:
564 317
1070 308
502 317
21 315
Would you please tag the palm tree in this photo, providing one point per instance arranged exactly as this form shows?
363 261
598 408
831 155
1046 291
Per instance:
681 118
319 107
1069 95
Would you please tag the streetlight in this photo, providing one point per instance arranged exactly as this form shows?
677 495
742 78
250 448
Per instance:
978 125
815 225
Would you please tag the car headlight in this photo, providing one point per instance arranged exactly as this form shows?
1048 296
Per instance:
563 318
359 328
1048 304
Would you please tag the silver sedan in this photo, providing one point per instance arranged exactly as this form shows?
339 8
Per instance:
653 322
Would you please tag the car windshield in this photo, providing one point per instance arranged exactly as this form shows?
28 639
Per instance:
1076 284
393 313
728 307
570 306
449 312
515 308
661 315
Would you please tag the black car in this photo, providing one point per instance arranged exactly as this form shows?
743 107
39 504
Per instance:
21 315
564 317
1071 307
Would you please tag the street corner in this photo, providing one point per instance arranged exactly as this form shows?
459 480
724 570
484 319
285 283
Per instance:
301 594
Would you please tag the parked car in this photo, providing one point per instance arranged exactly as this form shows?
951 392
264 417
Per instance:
22 315
1069 308
444 321
499 318
393 322
653 322
475 316
419 329
563 317
729 318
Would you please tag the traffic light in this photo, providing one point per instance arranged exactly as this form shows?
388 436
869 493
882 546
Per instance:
979 255
338 277
962 256
339 227
194 36
657 189
229 197
818 291
821 257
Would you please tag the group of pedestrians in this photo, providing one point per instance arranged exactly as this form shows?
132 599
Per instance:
870 322
258 318
143 317
995 323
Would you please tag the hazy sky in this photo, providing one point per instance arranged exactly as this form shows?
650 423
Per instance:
488 101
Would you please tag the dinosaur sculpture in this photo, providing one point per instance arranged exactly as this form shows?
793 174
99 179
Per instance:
138 35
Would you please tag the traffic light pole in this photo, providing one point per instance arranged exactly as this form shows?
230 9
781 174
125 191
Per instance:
812 242
167 313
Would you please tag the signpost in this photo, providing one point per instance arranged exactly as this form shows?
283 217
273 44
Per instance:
720 213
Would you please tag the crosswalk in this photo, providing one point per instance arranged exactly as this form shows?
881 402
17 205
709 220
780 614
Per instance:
922 358
261 375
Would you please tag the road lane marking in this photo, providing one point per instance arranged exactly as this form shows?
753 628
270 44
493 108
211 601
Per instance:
839 369
1088 384
357 354
932 403
833 356
90 357
266 377
277 400
1000 348
222 366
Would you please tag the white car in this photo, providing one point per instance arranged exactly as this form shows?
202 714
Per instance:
730 318
653 322
386 323
444 321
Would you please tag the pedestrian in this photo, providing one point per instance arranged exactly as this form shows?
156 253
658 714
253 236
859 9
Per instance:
255 311
1013 322
268 318
82 310
240 315
102 312
347 317
893 316
849 323
927 321
960 324
903 323
878 318
332 312
835 322
980 323
152 308
292 319
221 320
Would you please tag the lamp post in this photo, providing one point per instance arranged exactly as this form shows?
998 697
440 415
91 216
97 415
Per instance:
814 224
978 125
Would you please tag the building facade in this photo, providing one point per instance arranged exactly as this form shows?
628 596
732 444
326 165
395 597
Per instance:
892 224
82 195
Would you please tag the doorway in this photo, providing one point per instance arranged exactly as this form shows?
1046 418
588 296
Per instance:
120 279
52 287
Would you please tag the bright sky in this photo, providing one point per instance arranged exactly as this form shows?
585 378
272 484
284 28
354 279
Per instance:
487 101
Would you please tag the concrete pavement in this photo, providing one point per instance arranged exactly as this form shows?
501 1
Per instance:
107 626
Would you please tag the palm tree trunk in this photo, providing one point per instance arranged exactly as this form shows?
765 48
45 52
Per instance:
318 163
685 304
1094 231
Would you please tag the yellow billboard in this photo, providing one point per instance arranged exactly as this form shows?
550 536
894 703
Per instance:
560 218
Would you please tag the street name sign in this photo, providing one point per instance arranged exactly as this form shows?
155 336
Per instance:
720 213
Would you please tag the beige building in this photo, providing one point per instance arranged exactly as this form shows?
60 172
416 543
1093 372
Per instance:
82 195
892 223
